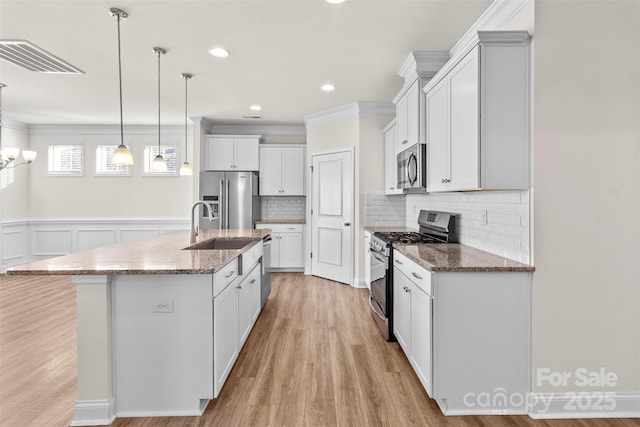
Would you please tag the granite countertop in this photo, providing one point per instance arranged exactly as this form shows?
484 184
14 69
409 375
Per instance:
164 254
454 257
279 221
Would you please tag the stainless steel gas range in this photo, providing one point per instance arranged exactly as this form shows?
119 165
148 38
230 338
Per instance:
434 227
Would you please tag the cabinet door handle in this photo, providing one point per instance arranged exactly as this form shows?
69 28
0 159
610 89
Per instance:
291 228
391 188
398 261
406 289
416 276
405 141
229 274
252 281
239 287
347 224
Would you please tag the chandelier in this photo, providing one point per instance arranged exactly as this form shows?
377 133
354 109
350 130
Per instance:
8 155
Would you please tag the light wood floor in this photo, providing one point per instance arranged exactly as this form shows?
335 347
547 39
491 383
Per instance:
314 358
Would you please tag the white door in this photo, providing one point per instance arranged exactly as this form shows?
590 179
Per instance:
332 216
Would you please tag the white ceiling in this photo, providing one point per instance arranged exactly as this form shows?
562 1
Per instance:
281 53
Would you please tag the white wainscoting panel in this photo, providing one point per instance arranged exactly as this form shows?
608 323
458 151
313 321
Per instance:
26 241
132 234
51 242
95 238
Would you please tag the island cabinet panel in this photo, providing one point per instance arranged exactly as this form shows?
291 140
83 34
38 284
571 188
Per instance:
162 343
225 332
249 303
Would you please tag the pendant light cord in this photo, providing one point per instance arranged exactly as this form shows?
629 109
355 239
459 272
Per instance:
186 145
120 83
159 52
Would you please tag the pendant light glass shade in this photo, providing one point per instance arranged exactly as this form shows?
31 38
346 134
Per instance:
122 156
159 164
185 169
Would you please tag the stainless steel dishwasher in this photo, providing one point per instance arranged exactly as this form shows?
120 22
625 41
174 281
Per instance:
265 284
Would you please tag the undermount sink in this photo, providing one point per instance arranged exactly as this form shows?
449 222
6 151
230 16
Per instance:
222 244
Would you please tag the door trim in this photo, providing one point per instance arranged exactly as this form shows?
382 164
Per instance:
312 221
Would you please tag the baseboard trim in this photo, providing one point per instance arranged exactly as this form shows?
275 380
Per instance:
584 405
93 413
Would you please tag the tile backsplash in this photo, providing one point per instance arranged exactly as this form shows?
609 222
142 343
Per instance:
282 207
506 232
384 211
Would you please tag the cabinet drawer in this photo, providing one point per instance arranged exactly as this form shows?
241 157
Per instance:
420 276
282 228
251 257
224 276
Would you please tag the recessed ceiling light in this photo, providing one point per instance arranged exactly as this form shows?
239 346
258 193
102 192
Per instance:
328 87
219 52
335 1
255 108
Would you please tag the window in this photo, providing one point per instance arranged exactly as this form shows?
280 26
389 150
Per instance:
170 154
104 165
6 177
65 159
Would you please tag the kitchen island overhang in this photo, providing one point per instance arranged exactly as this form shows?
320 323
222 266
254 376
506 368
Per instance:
159 326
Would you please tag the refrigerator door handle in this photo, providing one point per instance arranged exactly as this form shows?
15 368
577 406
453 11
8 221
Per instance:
221 215
226 220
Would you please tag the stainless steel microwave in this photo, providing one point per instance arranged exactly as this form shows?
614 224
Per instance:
412 168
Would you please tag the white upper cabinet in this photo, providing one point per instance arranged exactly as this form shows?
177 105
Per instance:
390 166
417 69
477 117
282 170
232 152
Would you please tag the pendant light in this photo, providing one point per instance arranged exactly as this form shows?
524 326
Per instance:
122 155
159 164
185 169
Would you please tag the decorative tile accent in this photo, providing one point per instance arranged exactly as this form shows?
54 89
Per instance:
381 210
283 207
507 232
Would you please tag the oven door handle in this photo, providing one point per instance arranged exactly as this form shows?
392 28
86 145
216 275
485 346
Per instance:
381 316
376 256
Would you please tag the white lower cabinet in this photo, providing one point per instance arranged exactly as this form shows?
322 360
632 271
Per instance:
248 303
225 335
235 311
412 318
286 246
467 336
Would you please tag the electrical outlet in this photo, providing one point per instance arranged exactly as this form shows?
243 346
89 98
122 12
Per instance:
483 217
162 306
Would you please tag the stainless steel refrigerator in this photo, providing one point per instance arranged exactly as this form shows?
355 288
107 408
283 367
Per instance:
233 196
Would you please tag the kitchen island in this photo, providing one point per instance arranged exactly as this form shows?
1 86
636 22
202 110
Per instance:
159 326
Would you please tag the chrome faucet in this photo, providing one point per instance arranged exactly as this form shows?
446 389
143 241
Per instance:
194 226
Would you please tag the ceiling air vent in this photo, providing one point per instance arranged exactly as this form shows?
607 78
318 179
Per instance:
31 57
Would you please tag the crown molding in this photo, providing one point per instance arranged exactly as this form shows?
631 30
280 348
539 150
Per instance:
422 65
494 17
360 109
17 126
264 130
104 129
